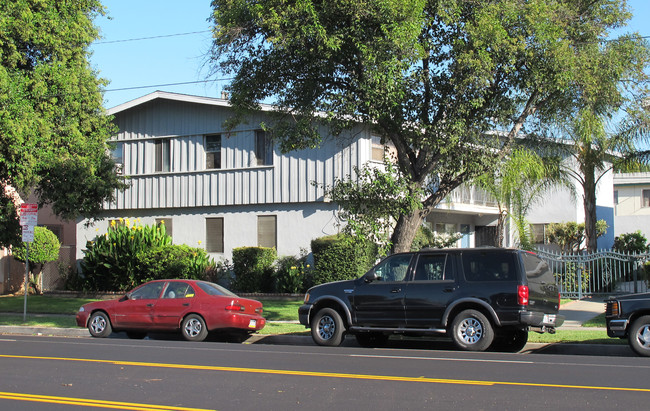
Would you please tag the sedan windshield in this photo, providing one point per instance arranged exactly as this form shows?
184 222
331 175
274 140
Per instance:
214 289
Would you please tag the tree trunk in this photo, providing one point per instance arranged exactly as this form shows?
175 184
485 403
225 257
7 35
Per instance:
501 226
589 200
405 230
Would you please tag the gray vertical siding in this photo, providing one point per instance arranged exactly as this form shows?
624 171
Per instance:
240 181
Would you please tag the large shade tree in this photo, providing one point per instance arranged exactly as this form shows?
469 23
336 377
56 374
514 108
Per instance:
53 130
431 76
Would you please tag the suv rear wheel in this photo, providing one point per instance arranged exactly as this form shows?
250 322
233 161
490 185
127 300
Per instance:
472 331
327 327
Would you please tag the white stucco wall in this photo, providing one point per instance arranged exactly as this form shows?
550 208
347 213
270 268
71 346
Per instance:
296 226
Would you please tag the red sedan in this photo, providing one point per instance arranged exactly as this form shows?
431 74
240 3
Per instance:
194 307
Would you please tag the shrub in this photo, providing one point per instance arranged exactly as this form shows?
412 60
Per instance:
173 261
43 249
424 237
110 261
253 267
290 275
341 257
631 243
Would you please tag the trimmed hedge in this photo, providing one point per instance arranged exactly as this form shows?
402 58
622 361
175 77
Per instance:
341 257
253 267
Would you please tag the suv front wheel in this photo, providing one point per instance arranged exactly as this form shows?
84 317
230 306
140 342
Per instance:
472 331
327 327
639 336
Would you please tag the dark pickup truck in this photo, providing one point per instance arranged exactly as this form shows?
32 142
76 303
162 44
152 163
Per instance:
628 316
482 298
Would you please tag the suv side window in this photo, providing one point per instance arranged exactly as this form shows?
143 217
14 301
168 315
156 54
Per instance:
393 268
537 269
433 267
481 267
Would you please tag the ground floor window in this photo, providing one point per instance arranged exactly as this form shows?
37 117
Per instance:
167 222
214 235
267 231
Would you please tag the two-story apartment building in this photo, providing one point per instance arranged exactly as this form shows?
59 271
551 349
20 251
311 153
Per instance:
222 189
632 203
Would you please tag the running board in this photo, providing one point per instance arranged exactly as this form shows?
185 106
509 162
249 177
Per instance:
399 330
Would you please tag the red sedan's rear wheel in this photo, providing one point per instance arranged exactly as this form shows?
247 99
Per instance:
194 328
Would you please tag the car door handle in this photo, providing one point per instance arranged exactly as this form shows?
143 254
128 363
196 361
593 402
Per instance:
150 305
395 290
186 304
448 290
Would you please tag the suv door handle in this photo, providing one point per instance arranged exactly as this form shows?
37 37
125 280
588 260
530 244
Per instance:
448 290
395 290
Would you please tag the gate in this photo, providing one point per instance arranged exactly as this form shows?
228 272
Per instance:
601 273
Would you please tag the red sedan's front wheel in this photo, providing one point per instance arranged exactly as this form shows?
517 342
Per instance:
99 324
193 328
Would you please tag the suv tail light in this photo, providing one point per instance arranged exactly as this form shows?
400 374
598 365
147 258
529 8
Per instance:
522 295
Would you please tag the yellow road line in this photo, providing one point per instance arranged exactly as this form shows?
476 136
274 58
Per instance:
329 374
86 402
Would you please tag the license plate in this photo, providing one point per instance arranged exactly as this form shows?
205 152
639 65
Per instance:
549 318
252 324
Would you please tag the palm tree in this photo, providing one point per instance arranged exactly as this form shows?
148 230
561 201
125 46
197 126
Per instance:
516 186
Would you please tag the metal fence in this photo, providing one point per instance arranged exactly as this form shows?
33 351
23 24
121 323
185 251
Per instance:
601 273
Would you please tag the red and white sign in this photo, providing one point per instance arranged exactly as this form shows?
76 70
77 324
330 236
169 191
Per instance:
28 219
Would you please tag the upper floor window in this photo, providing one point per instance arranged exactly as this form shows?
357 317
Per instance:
645 198
117 153
378 149
162 155
213 151
263 148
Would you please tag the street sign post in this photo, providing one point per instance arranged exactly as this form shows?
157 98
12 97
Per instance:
28 220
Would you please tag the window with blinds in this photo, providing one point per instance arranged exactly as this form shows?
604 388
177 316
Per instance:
263 148
267 231
214 235
163 156
167 222
213 151
378 149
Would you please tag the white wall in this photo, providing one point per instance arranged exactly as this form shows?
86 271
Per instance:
296 225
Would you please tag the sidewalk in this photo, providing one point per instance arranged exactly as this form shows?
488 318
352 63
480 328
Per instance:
578 312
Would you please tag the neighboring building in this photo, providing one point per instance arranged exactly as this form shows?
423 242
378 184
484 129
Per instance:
222 189
632 203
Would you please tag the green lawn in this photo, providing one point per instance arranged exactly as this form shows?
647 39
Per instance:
42 304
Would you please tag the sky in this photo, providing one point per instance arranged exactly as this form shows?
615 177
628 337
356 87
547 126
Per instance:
144 66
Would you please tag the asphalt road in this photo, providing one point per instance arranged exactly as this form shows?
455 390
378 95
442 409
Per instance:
76 373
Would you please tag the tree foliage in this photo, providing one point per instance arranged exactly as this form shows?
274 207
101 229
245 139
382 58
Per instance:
570 235
433 77
634 242
53 129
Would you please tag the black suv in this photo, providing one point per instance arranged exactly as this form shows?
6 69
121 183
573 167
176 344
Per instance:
481 298
628 316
